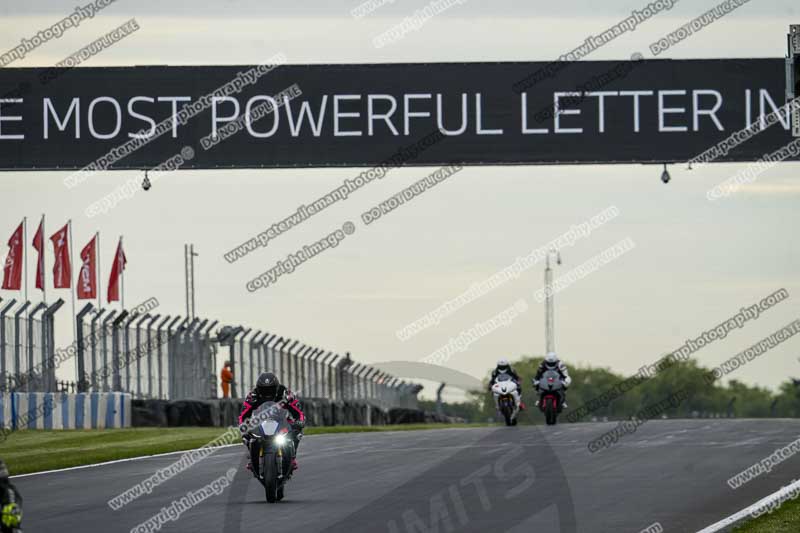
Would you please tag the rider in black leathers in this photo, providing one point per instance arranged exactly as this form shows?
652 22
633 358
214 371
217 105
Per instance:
269 389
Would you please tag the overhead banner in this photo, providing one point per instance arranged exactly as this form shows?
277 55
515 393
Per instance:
278 115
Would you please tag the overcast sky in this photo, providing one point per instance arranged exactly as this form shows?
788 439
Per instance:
694 265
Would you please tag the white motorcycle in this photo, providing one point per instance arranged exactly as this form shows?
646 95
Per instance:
506 398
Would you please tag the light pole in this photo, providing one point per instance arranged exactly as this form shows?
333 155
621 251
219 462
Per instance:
188 256
549 315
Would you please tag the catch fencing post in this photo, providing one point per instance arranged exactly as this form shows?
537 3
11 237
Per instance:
35 382
150 372
93 336
290 363
83 382
301 368
199 377
138 354
328 365
254 342
211 373
243 368
172 333
18 343
126 335
4 362
116 378
277 356
353 380
341 386
108 319
160 356
316 364
265 349
305 361
371 382
49 353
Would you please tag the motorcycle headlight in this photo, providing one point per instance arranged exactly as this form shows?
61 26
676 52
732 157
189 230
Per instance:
280 440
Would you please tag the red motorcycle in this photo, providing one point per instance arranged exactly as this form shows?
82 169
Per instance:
551 396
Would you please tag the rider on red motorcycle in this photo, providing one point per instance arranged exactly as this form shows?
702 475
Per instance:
551 362
269 389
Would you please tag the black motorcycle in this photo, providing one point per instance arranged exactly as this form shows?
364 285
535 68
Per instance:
271 448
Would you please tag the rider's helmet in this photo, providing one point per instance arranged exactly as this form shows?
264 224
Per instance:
267 386
3 471
551 358
503 366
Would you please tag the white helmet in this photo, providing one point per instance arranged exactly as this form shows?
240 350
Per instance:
503 366
551 357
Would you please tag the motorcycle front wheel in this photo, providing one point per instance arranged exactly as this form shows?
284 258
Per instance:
550 414
270 469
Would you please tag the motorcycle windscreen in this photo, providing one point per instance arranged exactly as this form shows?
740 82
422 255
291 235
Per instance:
269 427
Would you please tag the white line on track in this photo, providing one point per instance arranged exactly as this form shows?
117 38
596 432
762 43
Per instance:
744 513
371 433
113 462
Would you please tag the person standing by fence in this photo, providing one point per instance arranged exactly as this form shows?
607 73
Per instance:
226 377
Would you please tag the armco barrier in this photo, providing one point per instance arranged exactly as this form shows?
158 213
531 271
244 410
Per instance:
60 410
223 413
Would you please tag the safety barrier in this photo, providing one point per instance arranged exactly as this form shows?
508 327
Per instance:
60 410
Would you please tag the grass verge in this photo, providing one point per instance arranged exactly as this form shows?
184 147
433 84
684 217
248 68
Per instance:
35 451
784 520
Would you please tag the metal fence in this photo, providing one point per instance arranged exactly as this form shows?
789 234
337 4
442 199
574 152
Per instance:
173 357
166 357
27 354
310 371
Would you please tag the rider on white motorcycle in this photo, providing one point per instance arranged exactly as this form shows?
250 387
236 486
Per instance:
504 367
551 362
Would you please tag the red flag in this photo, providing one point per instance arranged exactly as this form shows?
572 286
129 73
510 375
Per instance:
62 268
12 270
116 270
87 286
38 244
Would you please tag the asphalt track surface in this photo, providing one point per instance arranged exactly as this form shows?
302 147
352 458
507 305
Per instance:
488 479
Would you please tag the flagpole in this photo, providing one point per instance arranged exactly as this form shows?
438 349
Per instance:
72 285
43 256
122 275
97 258
25 256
